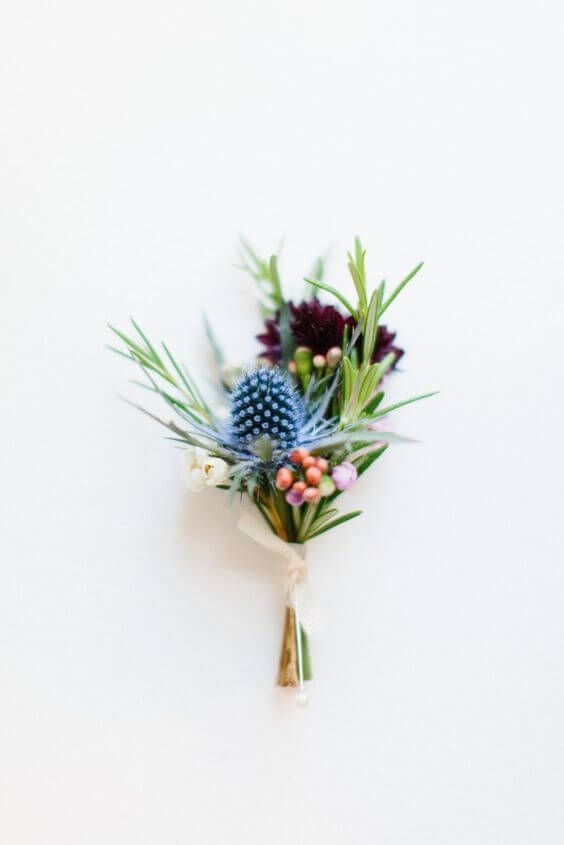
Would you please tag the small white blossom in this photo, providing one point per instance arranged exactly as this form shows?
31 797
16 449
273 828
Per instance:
200 469
215 470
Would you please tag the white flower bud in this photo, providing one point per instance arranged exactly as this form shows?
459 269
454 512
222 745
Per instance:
200 469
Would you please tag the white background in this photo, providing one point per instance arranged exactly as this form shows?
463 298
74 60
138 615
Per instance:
139 631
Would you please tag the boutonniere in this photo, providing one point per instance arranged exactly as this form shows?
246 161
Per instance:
300 425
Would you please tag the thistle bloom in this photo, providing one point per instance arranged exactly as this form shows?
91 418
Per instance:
265 404
344 476
200 469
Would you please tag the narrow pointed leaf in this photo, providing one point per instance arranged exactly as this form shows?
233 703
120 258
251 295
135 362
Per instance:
334 292
339 521
400 287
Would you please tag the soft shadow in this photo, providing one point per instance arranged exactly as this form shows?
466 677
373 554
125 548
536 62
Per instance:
208 521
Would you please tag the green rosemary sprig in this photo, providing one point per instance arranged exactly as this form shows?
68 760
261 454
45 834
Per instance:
266 275
165 370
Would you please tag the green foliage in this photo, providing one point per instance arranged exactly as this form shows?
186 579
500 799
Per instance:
266 275
217 352
317 283
360 385
165 371
357 270
399 288
333 524
317 272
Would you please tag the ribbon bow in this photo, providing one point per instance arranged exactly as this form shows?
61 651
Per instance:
298 592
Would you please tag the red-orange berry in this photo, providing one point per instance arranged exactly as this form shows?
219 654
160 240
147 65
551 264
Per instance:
309 461
313 475
284 478
323 465
297 455
299 486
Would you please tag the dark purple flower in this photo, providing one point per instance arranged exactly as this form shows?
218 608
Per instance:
320 327
270 339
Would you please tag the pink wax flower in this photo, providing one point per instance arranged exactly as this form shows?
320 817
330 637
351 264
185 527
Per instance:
295 497
344 475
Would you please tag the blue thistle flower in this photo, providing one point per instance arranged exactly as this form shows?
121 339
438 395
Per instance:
266 405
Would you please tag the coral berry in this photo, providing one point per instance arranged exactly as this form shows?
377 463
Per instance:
313 475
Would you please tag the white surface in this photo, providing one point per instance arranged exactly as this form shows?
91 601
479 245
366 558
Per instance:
139 632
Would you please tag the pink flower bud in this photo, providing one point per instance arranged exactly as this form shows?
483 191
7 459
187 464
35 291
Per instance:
311 494
344 475
334 356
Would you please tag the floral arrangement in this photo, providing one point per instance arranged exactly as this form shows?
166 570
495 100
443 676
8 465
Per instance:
297 427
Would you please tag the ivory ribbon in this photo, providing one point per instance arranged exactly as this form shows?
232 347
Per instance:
298 591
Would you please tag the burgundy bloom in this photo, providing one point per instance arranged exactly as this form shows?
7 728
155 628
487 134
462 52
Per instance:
320 327
385 345
270 339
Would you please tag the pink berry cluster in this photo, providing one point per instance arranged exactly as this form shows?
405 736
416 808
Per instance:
310 478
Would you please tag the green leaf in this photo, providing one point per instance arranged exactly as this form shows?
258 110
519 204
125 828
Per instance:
307 519
359 254
389 408
131 345
357 270
339 521
218 355
334 292
265 274
368 386
349 376
120 352
359 283
347 438
179 372
323 519
386 364
147 342
275 279
399 288
260 269
370 329
362 464
317 272
371 407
